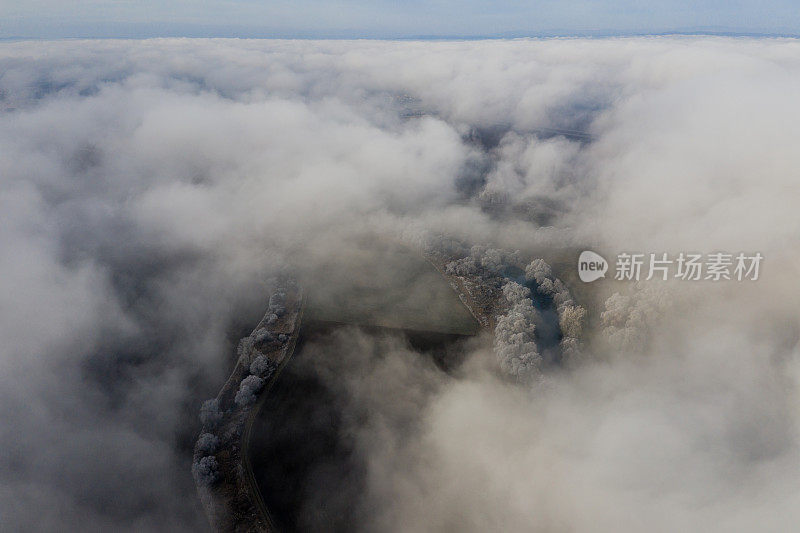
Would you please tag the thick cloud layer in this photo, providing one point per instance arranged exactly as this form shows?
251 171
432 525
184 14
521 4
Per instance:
149 190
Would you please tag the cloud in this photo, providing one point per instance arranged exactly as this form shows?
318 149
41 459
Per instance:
150 190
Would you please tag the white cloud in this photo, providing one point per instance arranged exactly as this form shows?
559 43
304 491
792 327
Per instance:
148 188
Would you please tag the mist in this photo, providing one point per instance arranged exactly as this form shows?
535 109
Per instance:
152 191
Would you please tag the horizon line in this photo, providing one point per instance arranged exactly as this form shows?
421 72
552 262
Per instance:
345 36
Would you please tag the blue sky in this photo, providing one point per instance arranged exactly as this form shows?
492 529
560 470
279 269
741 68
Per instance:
391 19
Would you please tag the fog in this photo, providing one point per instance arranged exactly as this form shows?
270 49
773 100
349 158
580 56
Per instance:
150 192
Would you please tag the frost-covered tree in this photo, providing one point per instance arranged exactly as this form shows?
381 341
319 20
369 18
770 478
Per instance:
277 303
262 366
207 443
483 262
627 319
515 293
539 271
570 316
248 391
514 335
206 471
210 413
466 266
262 335
244 347
435 243
570 320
